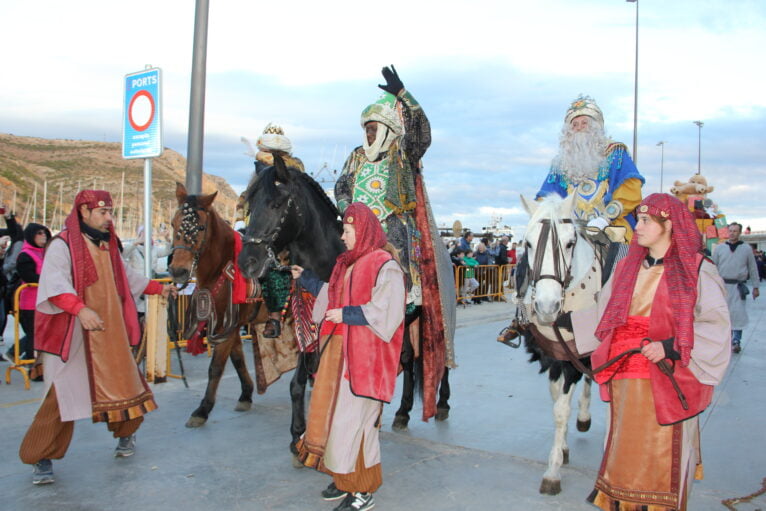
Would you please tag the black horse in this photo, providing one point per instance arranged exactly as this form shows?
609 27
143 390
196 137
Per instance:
289 210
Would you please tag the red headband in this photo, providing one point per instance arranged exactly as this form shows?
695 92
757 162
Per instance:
93 199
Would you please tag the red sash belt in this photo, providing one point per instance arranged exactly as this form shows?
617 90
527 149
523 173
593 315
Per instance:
626 337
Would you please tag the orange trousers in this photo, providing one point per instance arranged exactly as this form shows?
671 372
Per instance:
362 479
48 437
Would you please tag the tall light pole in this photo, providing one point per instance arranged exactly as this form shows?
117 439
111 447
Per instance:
635 94
699 145
661 143
197 100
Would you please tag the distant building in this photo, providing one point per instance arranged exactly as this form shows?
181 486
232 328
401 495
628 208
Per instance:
756 239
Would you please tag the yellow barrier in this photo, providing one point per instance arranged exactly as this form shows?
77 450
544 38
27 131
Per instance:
488 281
17 364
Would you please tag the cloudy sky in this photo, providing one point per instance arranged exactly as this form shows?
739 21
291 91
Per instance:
494 77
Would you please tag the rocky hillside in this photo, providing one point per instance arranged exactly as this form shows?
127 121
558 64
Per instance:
27 163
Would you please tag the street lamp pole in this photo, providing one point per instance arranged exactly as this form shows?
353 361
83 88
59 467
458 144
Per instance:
699 145
197 100
635 94
661 143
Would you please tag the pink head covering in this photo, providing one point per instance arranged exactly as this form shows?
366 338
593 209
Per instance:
369 237
681 271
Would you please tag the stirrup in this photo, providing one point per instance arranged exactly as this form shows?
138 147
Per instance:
276 326
509 333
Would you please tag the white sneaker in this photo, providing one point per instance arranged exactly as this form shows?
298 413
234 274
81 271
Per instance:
356 502
125 447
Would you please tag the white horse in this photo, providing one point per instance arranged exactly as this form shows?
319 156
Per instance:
564 275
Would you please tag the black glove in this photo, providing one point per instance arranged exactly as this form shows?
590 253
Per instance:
393 84
670 352
565 321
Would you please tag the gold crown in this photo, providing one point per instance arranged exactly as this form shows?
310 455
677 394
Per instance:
584 105
273 129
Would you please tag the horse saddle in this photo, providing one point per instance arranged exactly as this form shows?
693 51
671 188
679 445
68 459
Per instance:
249 289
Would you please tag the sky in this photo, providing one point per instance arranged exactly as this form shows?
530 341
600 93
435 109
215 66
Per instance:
495 79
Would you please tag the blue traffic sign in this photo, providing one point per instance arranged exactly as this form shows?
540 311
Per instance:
142 119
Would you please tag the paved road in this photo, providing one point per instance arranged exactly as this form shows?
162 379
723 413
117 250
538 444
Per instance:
490 454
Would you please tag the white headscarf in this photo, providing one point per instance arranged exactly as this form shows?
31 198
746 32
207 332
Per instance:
383 138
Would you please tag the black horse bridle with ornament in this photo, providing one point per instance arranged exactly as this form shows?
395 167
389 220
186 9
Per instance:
188 232
270 239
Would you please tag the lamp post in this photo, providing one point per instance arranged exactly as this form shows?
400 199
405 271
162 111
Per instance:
635 93
661 143
699 145
197 100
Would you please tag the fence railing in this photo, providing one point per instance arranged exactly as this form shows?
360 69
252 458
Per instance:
22 365
182 304
484 281
17 363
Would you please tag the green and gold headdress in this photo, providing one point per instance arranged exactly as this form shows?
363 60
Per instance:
383 111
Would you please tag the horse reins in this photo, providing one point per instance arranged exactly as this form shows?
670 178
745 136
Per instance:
662 365
563 278
558 260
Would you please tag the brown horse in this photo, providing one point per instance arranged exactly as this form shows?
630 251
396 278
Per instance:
203 245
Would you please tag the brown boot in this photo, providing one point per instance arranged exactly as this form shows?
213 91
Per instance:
509 333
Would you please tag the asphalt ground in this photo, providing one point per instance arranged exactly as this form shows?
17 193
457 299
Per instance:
490 454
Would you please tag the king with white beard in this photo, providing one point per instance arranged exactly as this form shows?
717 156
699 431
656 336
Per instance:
598 170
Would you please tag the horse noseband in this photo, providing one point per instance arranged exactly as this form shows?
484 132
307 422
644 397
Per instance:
564 279
271 256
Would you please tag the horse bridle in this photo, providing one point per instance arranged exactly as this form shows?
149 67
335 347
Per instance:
269 240
188 230
564 278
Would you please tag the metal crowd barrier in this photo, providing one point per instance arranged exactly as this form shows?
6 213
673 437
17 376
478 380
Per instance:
492 281
18 363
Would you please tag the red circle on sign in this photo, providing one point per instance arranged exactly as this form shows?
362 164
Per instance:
141 127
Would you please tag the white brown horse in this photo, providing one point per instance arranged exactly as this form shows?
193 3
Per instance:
564 274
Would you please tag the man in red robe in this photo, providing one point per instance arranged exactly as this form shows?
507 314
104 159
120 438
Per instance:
86 322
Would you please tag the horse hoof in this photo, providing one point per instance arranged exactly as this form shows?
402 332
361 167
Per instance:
195 422
297 462
565 454
442 414
400 423
583 425
550 486
243 406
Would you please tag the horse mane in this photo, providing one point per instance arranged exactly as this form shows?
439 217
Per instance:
548 209
313 185
267 178
193 201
